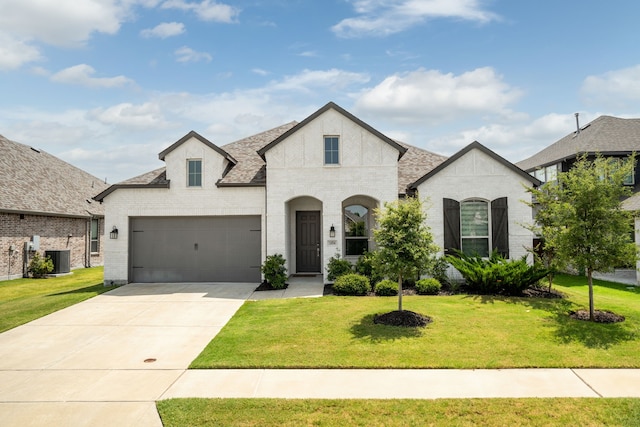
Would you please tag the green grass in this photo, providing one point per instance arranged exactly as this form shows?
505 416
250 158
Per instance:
467 332
24 300
370 413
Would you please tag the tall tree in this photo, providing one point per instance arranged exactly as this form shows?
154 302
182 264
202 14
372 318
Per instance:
405 244
582 219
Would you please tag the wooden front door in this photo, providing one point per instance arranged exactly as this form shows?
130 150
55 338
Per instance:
308 241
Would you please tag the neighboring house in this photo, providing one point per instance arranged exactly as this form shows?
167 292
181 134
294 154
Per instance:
46 205
305 190
608 136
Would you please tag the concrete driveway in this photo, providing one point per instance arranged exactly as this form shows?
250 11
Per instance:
105 361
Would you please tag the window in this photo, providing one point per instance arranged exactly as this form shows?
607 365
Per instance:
95 234
331 150
476 227
194 173
356 230
547 174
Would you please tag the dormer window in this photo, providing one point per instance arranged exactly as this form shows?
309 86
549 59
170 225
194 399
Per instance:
331 150
194 173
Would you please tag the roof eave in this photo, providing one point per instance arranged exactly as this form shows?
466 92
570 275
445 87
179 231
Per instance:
100 197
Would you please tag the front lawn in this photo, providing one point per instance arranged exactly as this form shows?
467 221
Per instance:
371 413
467 332
24 300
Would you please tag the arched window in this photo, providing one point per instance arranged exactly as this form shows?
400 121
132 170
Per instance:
356 230
474 227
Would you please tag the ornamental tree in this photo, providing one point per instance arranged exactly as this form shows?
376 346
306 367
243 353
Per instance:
581 217
405 244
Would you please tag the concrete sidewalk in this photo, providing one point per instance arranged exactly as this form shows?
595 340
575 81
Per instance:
106 361
405 383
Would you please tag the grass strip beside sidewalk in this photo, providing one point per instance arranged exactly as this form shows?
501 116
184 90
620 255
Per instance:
24 300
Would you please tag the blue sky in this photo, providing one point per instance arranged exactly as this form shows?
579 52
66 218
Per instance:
108 84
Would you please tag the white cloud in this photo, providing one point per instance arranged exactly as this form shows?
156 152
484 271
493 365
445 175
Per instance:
186 54
309 54
260 71
145 116
82 75
25 24
14 53
431 96
164 30
333 79
206 10
617 88
62 22
384 17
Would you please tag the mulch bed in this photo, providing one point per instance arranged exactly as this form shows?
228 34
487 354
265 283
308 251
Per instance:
404 318
264 286
599 316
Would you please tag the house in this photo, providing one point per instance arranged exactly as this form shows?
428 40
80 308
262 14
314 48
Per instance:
305 190
46 206
608 136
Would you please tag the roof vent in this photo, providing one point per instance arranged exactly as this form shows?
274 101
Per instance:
36 150
577 123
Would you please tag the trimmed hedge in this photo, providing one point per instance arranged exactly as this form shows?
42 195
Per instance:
386 288
429 286
351 284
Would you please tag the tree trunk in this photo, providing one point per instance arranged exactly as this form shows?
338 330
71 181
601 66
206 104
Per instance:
592 316
400 293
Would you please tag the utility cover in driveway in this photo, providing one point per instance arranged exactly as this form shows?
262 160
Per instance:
195 249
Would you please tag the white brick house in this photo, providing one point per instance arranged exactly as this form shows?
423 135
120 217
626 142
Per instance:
305 190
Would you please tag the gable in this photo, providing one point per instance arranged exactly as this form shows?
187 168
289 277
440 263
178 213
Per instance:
350 117
215 161
476 160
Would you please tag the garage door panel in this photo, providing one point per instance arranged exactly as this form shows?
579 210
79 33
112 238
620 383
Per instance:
195 249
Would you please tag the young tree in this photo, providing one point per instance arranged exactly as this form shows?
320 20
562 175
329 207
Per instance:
582 220
405 243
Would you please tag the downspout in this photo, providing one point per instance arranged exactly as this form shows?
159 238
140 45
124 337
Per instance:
87 244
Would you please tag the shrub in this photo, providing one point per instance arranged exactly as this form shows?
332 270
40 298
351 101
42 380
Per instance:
439 270
386 288
338 267
351 284
429 286
366 266
275 273
497 275
39 267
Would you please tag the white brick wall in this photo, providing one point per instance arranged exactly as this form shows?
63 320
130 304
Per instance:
178 200
477 175
297 179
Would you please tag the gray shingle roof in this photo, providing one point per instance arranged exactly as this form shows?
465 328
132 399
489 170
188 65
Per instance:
250 167
33 181
606 135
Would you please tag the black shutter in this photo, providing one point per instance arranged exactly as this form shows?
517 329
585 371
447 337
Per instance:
500 226
451 209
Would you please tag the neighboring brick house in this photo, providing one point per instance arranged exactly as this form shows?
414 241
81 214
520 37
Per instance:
608 136
45 197
305 190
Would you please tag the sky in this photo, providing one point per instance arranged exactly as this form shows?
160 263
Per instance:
108 84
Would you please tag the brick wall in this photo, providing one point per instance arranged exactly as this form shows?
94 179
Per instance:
56 233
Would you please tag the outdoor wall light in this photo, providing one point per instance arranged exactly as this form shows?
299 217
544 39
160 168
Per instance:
114 233
332 231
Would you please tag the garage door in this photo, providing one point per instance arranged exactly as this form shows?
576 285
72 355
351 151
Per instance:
195 249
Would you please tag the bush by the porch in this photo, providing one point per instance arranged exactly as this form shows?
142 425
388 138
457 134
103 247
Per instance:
351 284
